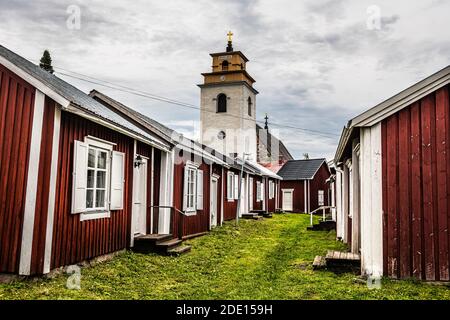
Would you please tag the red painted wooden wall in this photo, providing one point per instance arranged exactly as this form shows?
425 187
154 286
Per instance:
416 186
299 194
229 207
319 183
16 113
200 221
42 196
75 241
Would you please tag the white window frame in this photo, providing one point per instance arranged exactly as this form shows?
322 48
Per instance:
271 189
190 208
230 186
103 146
236 187
258 191
320 195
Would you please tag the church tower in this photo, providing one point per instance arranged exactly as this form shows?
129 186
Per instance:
228 105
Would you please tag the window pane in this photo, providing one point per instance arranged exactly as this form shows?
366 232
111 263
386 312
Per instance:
101 179
101 164
91 158
89 198
100 198
90 178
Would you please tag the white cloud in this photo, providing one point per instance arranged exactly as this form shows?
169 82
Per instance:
315 62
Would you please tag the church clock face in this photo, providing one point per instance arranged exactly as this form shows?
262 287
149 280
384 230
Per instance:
221 135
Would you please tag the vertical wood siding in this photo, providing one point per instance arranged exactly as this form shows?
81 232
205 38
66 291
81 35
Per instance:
298 200
42 196
319 183
257 205
16 110
73 240
271 202
229 207
416 182
200 221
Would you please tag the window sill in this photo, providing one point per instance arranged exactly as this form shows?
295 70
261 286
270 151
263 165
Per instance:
94 215
190 213
230 200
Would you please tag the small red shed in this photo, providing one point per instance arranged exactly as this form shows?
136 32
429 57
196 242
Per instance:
304 187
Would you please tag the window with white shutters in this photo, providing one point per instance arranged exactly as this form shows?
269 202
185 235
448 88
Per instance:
271 189
258 191
263 190
321 198
230 186
190 188
199 190
98 177
193 188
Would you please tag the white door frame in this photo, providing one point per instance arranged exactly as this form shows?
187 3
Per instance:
140 185
213 221
283 191
165 194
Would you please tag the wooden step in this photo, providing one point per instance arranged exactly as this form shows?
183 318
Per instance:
169 244
153 238
319 262
343 261
249 215
178 250
323 226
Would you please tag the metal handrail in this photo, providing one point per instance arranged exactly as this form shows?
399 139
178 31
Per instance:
181 222
323 208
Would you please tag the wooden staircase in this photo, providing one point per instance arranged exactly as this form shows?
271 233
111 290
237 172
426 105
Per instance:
160 243
338 261
323 226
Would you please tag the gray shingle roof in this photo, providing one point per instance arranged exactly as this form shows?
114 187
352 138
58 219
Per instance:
300 169
75 96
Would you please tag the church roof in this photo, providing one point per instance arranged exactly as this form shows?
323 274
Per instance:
271 139
300 169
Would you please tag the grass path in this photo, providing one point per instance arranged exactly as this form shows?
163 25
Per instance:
269 259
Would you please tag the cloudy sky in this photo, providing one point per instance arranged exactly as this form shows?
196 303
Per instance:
317 63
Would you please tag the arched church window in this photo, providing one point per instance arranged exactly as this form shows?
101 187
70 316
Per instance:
249 102
221 103
225 65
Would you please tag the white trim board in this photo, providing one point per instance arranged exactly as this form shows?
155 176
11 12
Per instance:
32 181
371 202
52 190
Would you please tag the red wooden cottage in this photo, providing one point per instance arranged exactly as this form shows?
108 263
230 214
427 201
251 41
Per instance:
305 186
393 182
68 172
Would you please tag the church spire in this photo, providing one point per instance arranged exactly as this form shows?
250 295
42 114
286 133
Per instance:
266 124
230 41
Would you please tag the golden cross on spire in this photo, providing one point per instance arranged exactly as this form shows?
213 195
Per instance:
230 36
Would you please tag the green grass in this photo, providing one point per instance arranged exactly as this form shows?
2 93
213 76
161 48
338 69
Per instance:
269 259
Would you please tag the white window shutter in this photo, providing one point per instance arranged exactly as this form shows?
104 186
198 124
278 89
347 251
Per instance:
79 184
258 191
185 188
229 186
236 186
199 190
117 180
263 191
